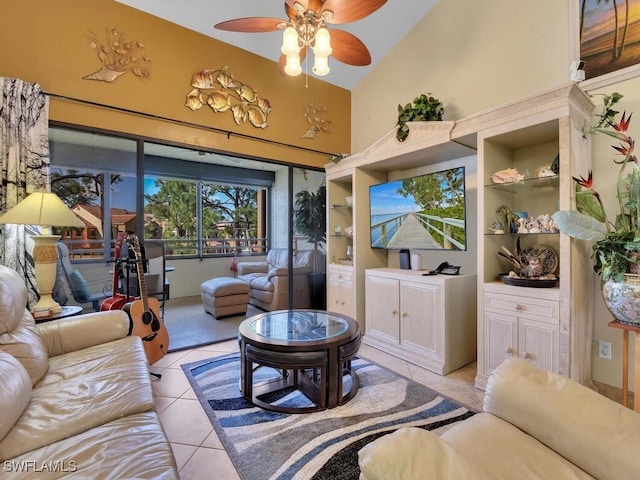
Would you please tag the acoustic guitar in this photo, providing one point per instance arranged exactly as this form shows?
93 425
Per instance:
145 314
118 300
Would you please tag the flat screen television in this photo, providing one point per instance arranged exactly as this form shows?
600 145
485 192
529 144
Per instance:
425 212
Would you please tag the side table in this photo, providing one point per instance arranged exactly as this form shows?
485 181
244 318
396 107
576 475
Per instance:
67 311
626 328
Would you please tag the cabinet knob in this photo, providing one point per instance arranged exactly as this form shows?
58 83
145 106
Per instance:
509 350
528 356
395 312
405 314
520 308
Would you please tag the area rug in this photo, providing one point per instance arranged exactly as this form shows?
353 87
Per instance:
322 445
189 326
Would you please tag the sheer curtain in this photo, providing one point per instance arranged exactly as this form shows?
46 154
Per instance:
24 168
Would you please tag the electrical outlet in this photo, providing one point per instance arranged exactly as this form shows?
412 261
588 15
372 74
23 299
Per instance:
605 350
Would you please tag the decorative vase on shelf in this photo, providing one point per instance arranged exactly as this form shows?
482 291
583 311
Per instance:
623 299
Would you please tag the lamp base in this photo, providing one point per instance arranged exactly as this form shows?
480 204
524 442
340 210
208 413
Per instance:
45 256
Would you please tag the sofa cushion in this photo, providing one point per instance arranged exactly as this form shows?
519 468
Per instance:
18 333
15 392
497 446
588 429
130 447
415 454
262 283
83 389
79 285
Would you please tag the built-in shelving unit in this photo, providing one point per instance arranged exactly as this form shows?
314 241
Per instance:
548 326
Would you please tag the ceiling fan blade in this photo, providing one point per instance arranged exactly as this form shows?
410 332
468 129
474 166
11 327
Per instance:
345 11
349 49
251 24
283 61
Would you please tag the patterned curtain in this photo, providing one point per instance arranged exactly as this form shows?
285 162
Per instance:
24 168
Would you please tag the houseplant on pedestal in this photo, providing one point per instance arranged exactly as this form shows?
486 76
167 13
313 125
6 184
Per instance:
617 243
310 220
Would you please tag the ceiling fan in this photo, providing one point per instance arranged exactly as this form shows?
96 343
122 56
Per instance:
307 27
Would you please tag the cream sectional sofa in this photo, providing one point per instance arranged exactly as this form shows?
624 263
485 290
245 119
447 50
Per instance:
535 425
75 396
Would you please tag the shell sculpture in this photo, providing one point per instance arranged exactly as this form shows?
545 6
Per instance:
221 92
118 56
508 175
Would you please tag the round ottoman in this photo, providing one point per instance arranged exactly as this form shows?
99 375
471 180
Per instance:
224 296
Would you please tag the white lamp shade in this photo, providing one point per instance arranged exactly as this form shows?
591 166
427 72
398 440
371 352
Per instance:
292 67
321 65
290 45
322 44
41 208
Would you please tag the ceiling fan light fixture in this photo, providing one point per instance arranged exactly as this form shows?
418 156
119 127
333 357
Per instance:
321 65
290 43
292 66
322 43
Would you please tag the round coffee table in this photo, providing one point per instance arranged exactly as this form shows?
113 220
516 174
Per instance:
312 348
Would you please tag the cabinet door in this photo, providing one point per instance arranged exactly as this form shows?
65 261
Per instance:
539 343
419 316
500 339
334 294
348 298
382 305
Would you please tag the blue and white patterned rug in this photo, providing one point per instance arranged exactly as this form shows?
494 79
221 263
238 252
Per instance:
321 445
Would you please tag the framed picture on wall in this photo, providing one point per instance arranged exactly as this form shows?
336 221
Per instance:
609 39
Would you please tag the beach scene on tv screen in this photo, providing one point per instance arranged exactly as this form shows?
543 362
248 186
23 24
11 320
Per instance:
421 212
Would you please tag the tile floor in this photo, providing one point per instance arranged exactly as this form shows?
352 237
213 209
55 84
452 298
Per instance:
196 447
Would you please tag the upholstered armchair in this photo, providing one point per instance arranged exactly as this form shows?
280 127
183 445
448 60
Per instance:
268 280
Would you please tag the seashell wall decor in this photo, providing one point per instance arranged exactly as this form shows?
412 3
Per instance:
221 92
316 123
118 56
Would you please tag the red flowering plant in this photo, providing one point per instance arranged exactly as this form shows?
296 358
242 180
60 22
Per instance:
616 242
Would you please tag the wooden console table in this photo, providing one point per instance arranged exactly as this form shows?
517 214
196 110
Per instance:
625 363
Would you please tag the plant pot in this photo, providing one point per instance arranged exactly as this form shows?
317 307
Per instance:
623 299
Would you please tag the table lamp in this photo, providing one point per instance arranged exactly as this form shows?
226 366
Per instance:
44 209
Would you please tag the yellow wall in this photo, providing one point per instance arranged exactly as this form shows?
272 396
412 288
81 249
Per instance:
48 43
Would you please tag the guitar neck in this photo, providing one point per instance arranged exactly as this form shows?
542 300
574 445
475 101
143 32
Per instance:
142 282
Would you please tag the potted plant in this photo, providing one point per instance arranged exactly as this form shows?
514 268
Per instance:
310 219
425 108
617 242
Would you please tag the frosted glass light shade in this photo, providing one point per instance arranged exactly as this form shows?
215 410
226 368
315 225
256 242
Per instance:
321 65
290 45
292 67
322 44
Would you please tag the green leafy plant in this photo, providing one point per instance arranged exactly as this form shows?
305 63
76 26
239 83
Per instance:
617 242
424 108
310 215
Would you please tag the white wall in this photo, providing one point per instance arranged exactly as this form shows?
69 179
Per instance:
477 54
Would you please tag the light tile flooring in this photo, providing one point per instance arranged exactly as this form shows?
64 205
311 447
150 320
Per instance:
198 451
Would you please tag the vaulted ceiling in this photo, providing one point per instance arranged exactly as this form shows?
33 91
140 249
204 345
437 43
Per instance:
380 32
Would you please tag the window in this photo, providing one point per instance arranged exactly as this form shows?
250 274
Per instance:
199 203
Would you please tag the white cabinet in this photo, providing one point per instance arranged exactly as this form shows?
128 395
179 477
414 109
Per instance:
550 327
520 326
340 292
426 320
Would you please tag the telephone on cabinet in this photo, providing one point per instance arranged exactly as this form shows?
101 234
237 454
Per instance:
444 268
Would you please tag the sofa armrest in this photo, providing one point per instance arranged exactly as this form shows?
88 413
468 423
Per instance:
284 271
76 333
252 267
591 431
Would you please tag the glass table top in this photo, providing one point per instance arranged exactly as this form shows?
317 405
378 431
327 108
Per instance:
301 326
